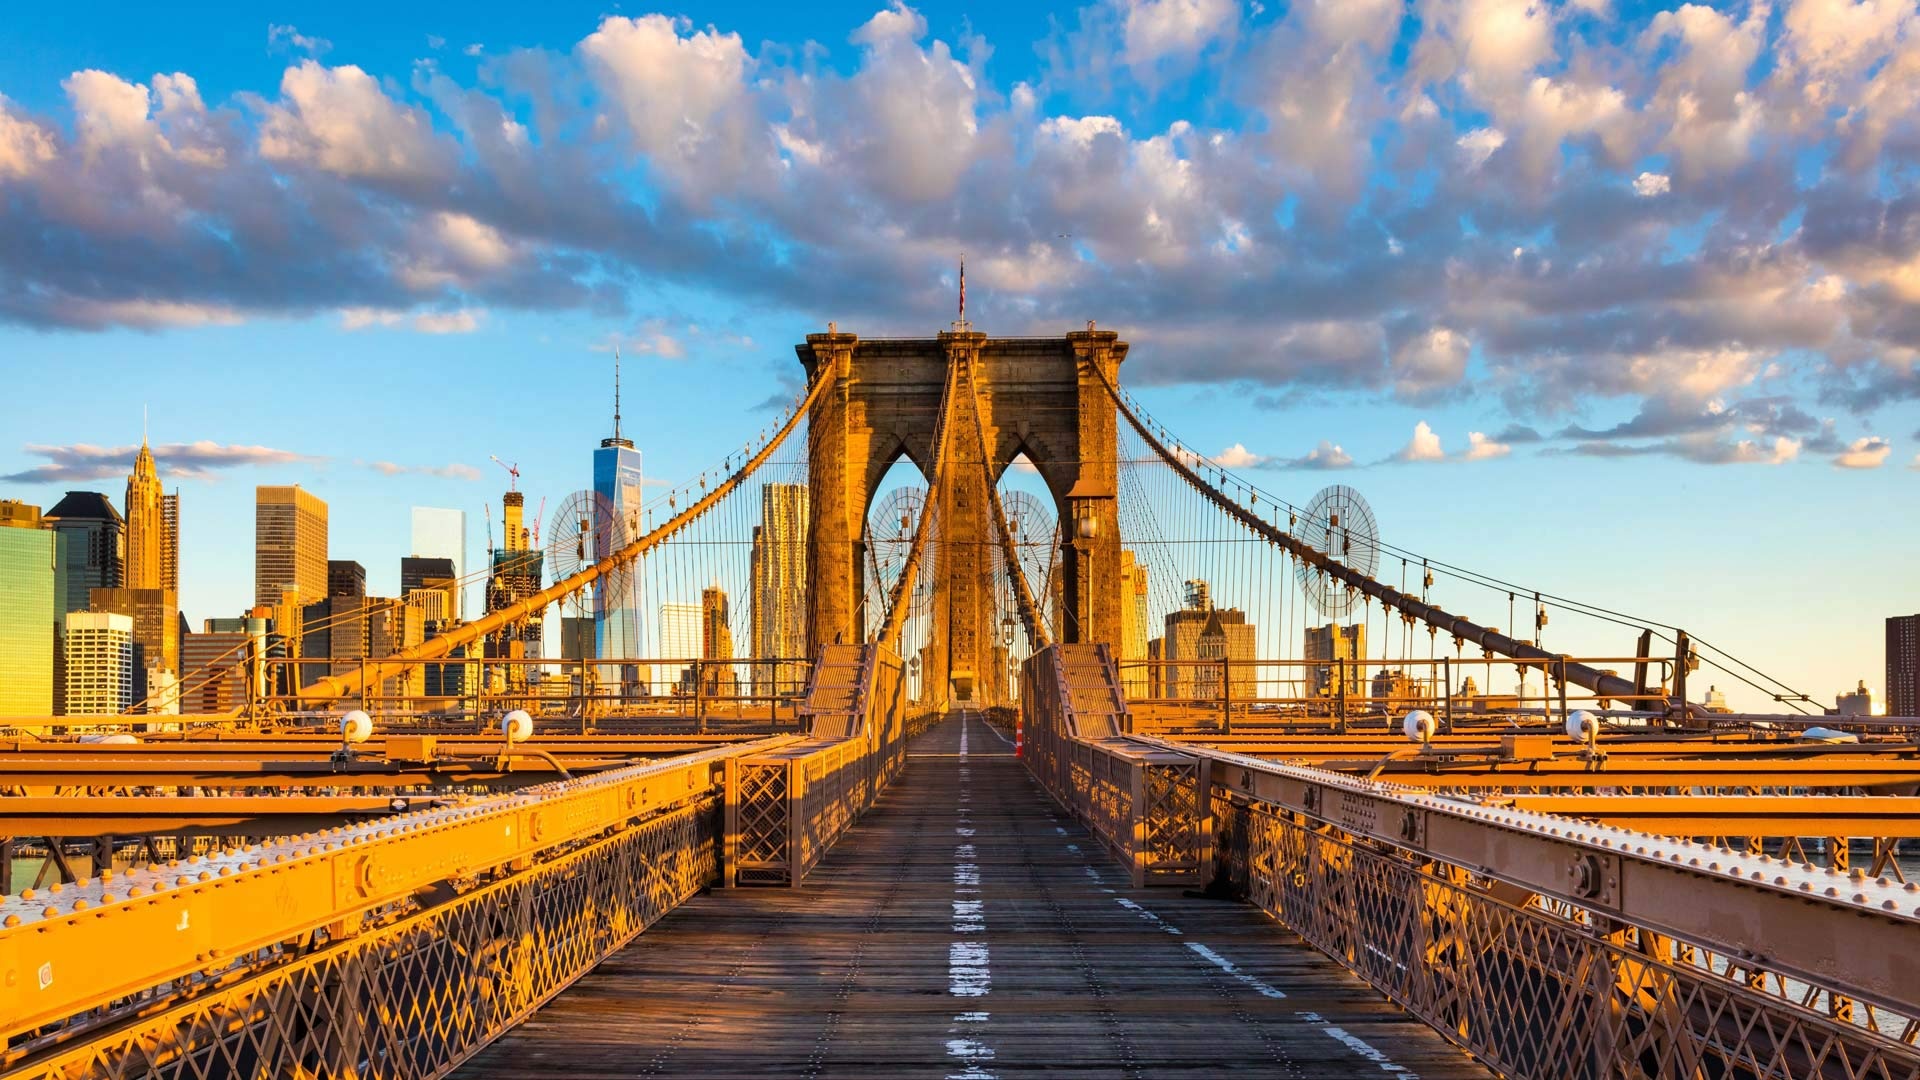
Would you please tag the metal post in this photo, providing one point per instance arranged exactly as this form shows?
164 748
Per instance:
796 820
730 830
1446 688
1226 696
1340 671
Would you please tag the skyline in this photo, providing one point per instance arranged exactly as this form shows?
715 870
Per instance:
1687 352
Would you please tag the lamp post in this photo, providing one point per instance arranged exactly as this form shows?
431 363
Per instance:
1006 637
1086 530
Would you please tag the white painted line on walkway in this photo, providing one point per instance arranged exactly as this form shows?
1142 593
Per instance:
1232 969
968 973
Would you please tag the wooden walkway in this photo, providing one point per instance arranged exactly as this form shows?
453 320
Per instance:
966 928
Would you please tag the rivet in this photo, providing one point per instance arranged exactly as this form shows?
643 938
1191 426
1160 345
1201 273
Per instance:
51 911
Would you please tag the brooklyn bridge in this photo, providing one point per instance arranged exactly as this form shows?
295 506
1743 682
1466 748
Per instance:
979 819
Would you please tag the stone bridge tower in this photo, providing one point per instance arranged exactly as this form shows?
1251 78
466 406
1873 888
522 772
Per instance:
1038 396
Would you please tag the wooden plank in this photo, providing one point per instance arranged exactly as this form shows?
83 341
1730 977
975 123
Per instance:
967 927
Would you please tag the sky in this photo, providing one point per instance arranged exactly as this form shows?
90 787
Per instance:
1620 301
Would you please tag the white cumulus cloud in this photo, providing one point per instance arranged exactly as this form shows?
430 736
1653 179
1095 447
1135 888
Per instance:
1424 446
1869 452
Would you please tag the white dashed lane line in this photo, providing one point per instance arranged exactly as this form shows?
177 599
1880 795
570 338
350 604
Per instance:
1338 1034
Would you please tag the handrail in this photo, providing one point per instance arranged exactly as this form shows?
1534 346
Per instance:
1712 896
166 922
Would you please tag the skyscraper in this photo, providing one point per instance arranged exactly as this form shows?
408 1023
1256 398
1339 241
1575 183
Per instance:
290 545
432 585
716 641
777 626
679 640
616 478
1227 635
346 578
1336 642
1181 640
89 552
1903 665
156 629
514 574
146 524
442 534
89 548
214 662
26 612
170 542
99 648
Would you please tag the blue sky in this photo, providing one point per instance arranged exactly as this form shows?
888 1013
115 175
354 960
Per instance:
1665 263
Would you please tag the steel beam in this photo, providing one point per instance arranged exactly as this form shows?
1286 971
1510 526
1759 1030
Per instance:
1735 815
237 815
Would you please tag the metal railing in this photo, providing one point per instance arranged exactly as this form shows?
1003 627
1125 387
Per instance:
395 948
764 690
1546 945
786 808
1225 694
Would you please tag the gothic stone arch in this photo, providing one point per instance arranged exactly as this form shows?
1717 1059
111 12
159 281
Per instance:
1040 396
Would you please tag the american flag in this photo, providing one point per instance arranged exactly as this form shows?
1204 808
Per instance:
963 288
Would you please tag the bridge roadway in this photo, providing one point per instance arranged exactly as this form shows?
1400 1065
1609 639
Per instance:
967 928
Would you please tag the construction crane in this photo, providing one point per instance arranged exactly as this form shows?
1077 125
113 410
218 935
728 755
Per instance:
513 471
537 516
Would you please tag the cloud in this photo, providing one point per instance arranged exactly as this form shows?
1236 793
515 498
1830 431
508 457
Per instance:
1327 455
1649 184
24 145
1482 448
340 121
1156 30
1430 365
1424 446
83 462
1238 456
454 471
1478 145
281 37
448 322
425 322
1864 453
684 97
1699 448
653 338
1601 225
